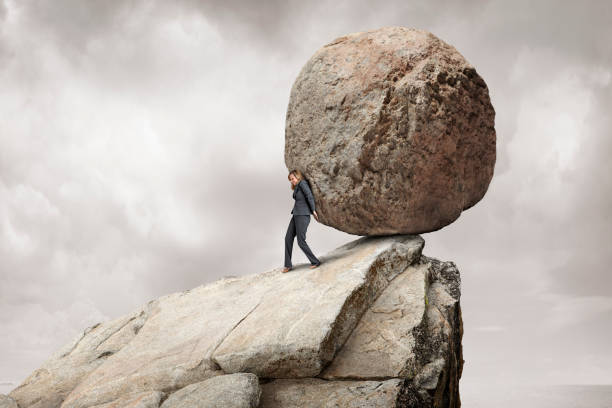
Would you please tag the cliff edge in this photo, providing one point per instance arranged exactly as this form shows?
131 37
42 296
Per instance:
378 324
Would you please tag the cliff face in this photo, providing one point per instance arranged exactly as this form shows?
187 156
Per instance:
378 324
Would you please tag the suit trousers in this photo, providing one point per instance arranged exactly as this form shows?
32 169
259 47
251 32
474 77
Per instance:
298 226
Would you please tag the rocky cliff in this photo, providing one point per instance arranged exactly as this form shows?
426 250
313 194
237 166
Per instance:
378 324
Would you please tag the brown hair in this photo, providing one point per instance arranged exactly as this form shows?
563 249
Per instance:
298 175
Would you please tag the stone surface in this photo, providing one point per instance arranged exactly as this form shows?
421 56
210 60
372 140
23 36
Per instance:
239 390
297 336
394 130
317 393
377 324
7 402
412 331
383 344
147 399
437 383
49 385
241 325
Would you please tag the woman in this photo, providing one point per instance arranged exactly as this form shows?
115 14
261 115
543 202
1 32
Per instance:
304 205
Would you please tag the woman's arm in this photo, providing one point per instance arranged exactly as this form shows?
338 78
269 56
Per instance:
308 194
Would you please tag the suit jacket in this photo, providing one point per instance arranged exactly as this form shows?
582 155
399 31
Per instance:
304 201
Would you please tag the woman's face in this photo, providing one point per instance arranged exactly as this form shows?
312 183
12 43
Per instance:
292 179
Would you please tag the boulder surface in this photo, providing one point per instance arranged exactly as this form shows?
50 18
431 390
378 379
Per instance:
394 130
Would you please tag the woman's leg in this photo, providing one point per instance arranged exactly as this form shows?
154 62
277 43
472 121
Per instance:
301 225
289 238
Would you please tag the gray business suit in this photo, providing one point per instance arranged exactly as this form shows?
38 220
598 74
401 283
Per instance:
304 205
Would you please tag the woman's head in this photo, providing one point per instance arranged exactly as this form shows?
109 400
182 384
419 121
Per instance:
295 176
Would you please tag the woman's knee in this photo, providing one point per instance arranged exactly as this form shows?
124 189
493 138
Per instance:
290 234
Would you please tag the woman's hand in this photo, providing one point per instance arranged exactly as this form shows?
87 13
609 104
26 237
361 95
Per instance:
315 215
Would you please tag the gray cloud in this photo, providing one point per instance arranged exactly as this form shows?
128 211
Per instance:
588 230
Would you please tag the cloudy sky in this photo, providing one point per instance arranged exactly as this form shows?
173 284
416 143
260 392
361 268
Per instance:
141 153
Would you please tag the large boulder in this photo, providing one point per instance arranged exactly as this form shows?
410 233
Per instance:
394 130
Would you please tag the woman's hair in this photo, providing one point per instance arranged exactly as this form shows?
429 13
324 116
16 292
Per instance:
298 175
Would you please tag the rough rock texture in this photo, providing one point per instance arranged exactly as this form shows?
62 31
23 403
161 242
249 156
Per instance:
412 331
240 390
318 310
383 343
377 324
394 129
49 385
317 393
7 402
147 399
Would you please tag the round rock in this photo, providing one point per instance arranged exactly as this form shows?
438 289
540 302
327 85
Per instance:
394 130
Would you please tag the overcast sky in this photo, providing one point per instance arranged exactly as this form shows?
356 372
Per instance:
141 153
